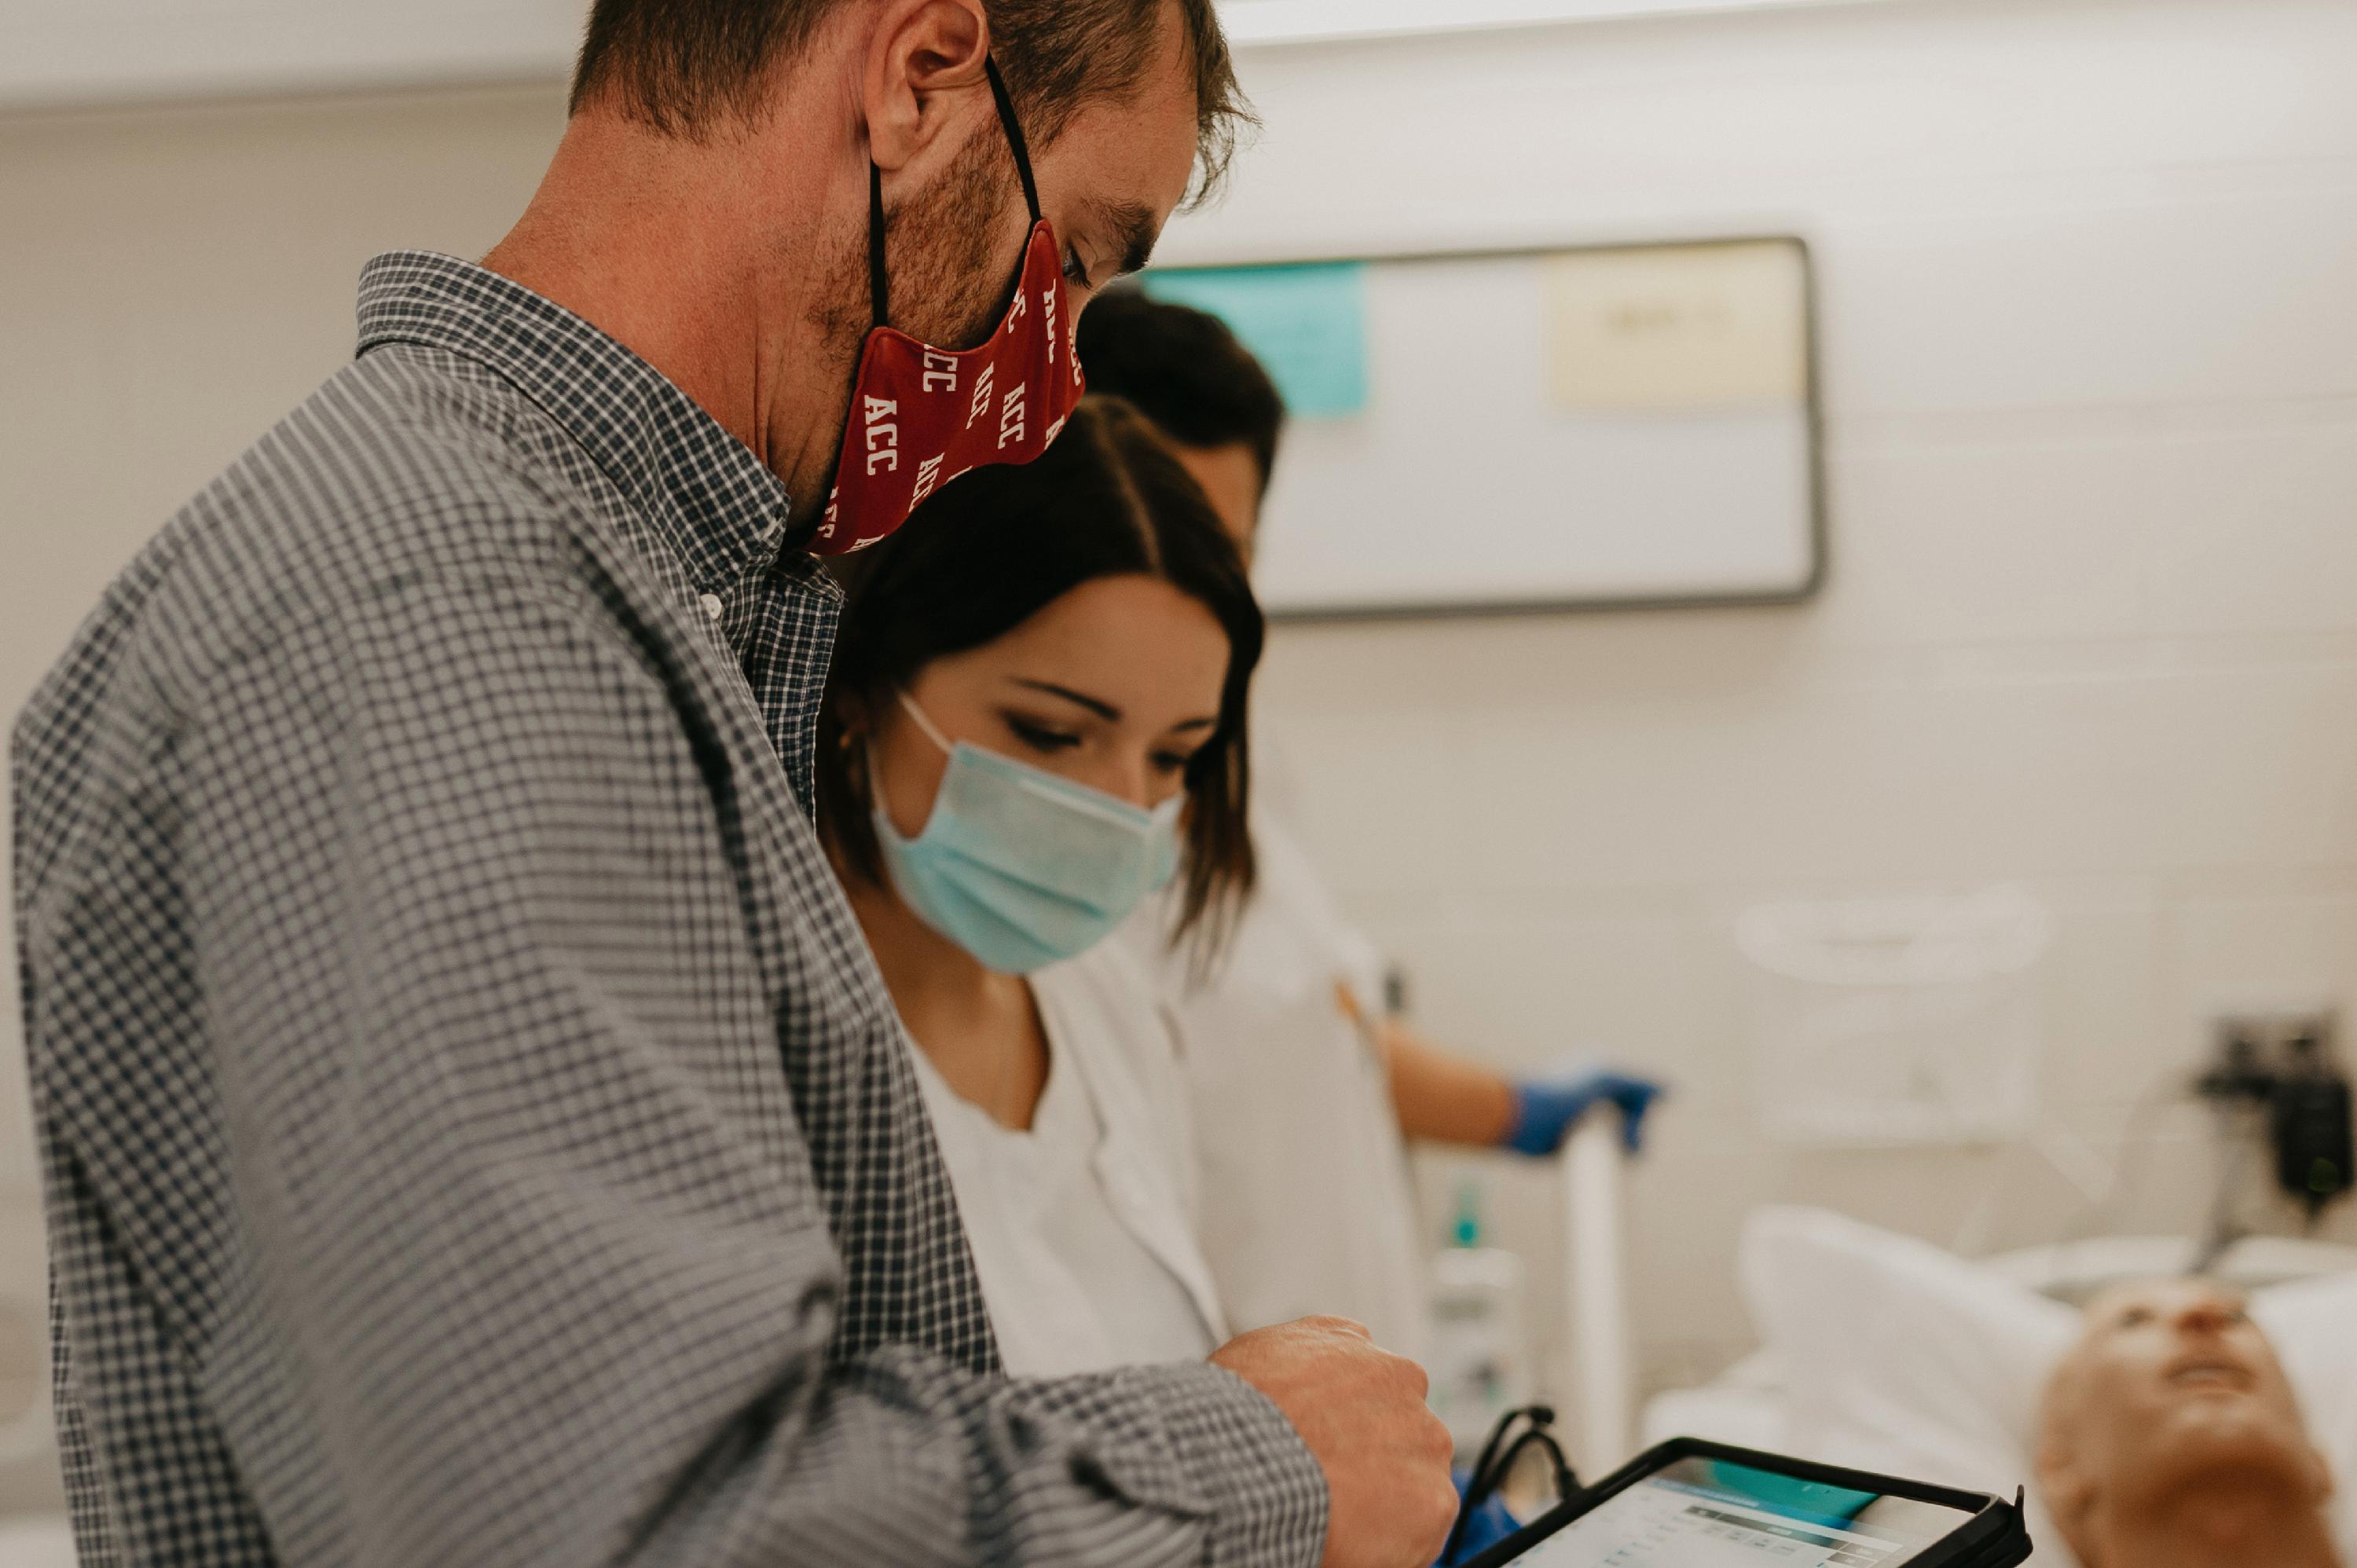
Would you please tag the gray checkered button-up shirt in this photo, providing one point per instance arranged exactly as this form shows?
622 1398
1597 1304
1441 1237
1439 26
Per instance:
474 1130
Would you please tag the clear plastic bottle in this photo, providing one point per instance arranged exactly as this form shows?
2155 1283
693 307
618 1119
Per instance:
1480 1354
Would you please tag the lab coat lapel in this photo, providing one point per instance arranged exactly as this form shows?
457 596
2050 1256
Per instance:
1140 1197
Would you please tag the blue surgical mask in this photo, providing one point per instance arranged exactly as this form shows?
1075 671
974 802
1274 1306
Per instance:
1019 867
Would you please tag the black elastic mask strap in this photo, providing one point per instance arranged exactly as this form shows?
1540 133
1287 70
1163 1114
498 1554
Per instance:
1014 135
880 294
879 298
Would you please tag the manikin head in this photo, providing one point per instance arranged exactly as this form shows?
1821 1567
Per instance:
2172 1397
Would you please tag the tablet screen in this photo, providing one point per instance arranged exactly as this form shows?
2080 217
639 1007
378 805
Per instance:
1712 1513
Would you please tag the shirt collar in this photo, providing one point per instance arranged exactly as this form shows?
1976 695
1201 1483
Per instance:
708 497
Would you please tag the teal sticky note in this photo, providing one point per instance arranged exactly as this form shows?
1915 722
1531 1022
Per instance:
1305 322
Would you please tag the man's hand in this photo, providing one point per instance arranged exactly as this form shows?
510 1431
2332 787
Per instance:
1361 1410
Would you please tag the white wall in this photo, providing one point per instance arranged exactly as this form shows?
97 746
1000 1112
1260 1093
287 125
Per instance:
171 281
120 51
2088 280
2089 277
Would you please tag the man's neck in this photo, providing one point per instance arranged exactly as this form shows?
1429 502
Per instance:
664 245
2230 1524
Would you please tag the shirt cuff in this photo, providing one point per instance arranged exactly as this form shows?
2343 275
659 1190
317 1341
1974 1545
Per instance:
1265 1490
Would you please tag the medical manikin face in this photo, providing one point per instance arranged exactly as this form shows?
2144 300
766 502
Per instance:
2171 1391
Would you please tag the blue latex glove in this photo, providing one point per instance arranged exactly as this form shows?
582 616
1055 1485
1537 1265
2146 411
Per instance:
1547 1109
1491 1523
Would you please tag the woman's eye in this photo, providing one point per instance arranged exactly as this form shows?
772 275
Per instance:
1039 737
1077 273
1171 762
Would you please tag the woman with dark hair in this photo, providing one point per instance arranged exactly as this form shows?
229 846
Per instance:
1034 722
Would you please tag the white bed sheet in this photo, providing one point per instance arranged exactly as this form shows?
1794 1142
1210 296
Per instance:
1745 1405
1926 1364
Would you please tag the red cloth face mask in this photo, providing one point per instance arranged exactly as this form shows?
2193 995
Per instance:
921 415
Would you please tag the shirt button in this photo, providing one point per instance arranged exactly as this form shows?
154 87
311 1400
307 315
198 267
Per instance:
712 606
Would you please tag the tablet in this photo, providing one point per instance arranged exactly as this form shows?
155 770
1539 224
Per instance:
1692 1504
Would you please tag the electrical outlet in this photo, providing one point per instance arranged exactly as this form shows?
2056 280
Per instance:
2279 1074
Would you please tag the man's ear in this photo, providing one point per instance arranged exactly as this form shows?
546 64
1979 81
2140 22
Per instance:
922 59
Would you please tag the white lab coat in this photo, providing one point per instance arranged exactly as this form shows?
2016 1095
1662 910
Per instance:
1084 1229
1301 1171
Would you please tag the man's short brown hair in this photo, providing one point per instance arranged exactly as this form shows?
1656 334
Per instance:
682 66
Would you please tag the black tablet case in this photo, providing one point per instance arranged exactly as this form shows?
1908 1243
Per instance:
1992 1537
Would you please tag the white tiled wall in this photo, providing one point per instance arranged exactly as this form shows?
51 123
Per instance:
2089 287
170 283
2088 279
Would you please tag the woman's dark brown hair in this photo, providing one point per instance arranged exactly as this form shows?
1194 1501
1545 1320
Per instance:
991 550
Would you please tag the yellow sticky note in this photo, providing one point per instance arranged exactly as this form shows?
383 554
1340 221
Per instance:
1677 327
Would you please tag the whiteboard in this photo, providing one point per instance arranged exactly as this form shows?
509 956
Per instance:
1464 481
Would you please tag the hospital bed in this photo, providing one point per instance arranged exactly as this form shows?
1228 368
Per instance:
1750 1402
1882 1351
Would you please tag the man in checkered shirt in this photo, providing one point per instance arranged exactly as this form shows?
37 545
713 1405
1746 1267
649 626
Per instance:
474 1132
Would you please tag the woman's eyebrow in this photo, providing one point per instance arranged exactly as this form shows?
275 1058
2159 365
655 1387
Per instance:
1193 723
1096 705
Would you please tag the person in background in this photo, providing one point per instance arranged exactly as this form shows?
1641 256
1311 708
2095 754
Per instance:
2170 1438
473 1129
1301 1086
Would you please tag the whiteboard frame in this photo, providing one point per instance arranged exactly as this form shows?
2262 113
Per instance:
1799 592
